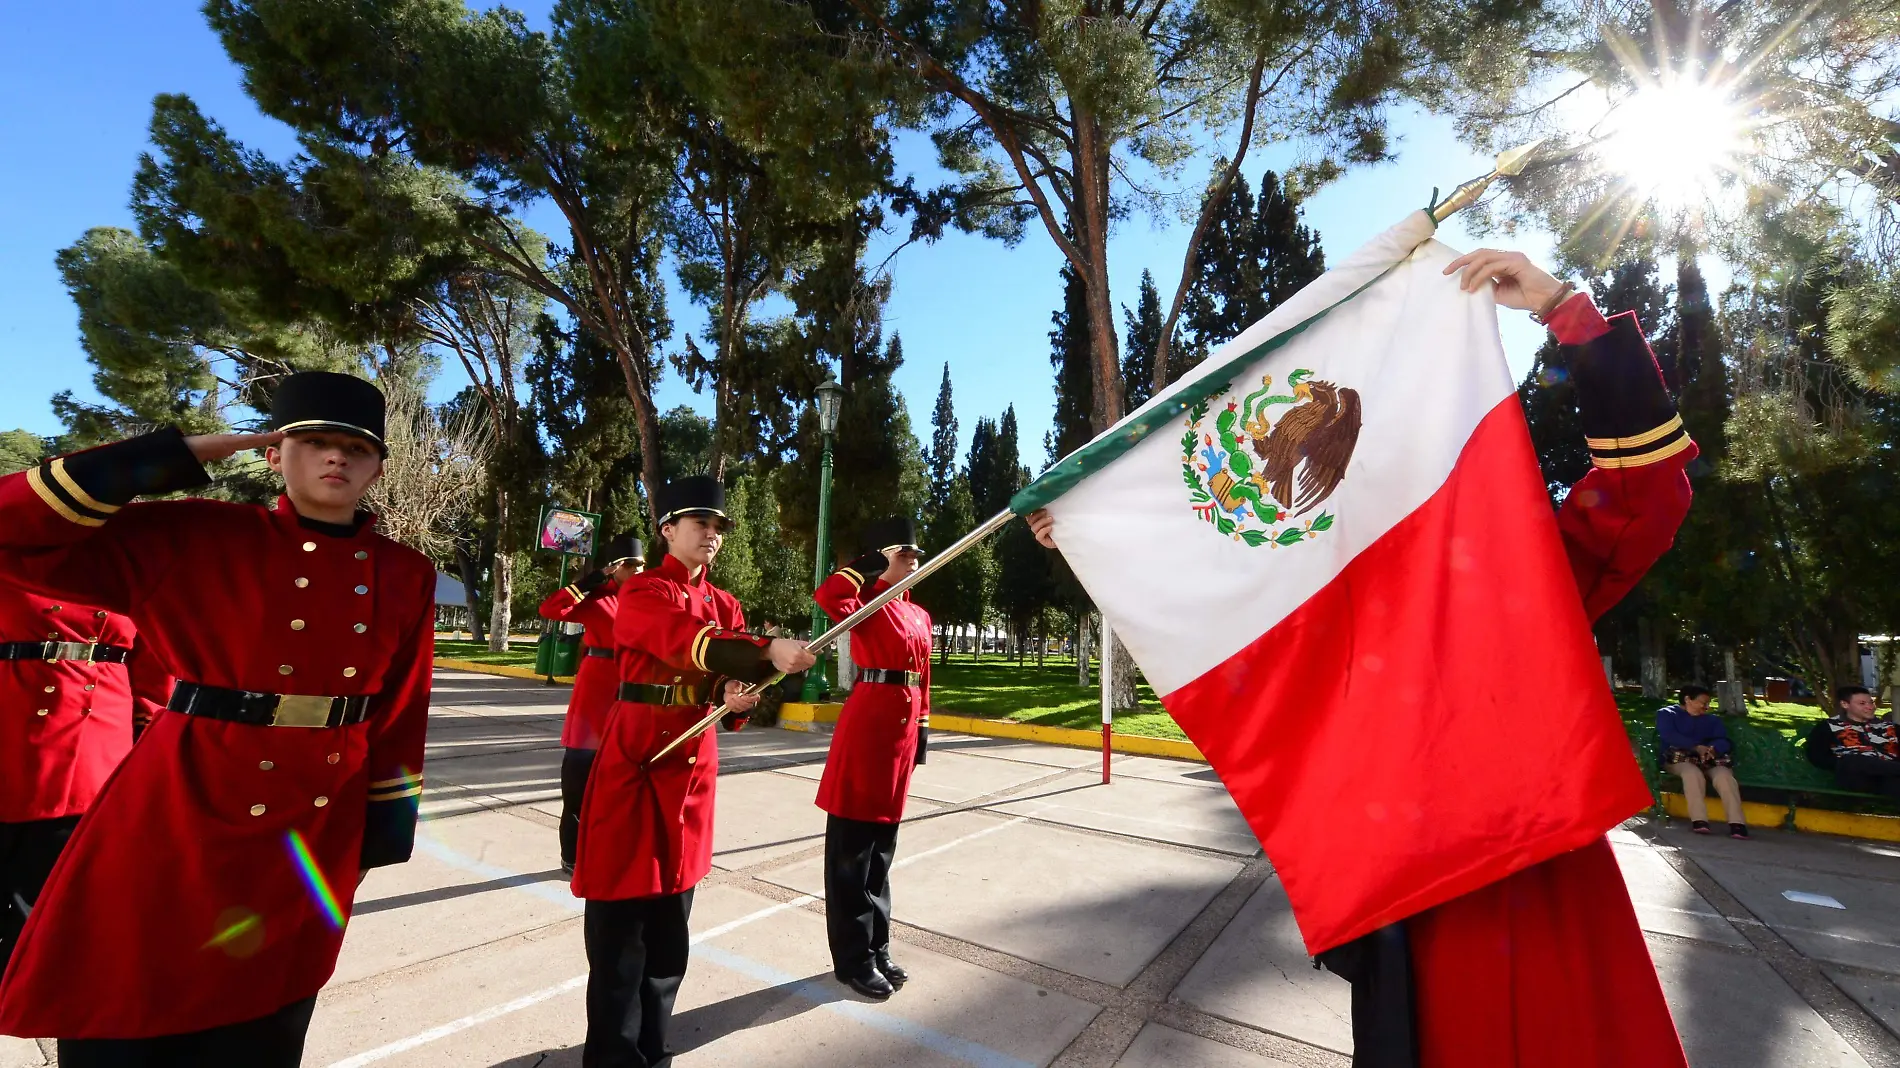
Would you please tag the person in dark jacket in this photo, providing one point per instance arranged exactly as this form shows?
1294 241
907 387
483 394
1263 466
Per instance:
1861 749
1695 748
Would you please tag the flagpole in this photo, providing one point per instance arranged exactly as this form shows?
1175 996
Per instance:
1108 693
844 626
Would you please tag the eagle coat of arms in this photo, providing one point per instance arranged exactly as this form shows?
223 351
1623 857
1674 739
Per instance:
1271 458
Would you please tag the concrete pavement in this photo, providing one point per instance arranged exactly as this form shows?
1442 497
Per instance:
1045 919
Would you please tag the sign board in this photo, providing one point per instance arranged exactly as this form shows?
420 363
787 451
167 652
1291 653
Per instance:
565 530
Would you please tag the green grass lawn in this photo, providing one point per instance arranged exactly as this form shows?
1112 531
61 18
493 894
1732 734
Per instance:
995 688
520 652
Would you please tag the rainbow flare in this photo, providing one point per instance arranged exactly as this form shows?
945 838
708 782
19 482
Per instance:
313 878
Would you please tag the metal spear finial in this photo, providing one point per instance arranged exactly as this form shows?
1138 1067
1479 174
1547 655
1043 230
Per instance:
1509 165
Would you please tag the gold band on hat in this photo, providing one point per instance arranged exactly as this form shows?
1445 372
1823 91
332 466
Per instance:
678 513
331 424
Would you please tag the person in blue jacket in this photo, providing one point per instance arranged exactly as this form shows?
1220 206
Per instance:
1695 747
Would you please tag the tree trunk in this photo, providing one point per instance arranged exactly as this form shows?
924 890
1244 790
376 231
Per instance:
1649 640
499 620
1083 632
503 585
1731 694
976 646
847 669
1091 236
471 593
1042 639
1121 672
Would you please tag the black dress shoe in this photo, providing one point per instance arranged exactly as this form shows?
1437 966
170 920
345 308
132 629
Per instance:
870 982
892 971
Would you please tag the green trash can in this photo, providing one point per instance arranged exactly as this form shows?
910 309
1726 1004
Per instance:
544 653
567 653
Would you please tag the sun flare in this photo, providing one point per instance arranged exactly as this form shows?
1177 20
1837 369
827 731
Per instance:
1674 142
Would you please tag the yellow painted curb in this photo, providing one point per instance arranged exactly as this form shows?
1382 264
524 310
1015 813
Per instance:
505 670
1757 813
794 716
1816 820
799 716
1850 824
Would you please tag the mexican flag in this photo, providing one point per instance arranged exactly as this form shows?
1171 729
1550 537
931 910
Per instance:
1330 549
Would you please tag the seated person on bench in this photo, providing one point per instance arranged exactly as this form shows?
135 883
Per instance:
1695 747
1862 750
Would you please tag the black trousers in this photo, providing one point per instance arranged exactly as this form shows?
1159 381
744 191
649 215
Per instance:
27 853
858 858
576 766
1871 774
1379 967
274 1041
636 957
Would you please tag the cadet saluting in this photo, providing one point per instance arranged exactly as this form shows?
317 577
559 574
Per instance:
289 760
591 601
881 736
646 832
74 688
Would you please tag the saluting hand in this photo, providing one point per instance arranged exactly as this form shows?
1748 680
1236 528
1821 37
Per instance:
789 655
1043 526
1519 283
206 448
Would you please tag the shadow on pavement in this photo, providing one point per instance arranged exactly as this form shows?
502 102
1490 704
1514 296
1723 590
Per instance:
709 1023
449 893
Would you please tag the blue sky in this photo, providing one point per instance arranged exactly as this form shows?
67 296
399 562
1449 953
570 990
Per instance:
80 80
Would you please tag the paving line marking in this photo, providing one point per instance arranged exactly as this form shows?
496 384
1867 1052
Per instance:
1747 922
814 991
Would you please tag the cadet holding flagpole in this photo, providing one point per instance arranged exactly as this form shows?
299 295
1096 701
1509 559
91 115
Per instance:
646 825
289 760
882 734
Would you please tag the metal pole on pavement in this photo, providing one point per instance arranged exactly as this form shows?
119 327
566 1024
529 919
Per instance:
1108 693
830 399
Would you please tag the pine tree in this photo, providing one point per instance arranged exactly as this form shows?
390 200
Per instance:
988 477
1256 254
1142 345
1289 251
1069 357
942 458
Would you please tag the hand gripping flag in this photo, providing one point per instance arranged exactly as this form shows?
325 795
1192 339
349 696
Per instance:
1366 620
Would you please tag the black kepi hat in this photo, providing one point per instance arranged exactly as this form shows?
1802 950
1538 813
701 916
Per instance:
885 535
622 549
692 495
325 400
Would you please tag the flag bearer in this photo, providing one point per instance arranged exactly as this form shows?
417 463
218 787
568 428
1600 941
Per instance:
289 759
1548 967
591 601
74 685
881 736
646 831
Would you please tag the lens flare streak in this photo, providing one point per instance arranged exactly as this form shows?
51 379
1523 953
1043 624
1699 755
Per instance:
313 879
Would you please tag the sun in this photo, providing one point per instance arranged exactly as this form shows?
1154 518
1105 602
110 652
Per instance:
1674 142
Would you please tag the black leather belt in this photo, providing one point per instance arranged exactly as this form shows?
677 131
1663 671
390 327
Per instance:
891 678
646 693
51 651
267 709
596 651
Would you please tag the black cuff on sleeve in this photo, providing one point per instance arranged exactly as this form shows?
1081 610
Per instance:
389 831
1628 417
591 581
111 475
923 743
736 658
865 568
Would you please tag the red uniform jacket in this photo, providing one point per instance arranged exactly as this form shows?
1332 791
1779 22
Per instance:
1548 968
867 774
596 679
65 724
648 831
211 881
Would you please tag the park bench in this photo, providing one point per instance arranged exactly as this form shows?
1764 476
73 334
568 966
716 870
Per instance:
1765 759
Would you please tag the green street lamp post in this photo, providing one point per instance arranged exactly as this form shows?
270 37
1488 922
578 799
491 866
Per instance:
830 400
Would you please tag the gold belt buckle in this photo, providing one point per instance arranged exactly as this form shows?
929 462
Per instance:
295 710
57 651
